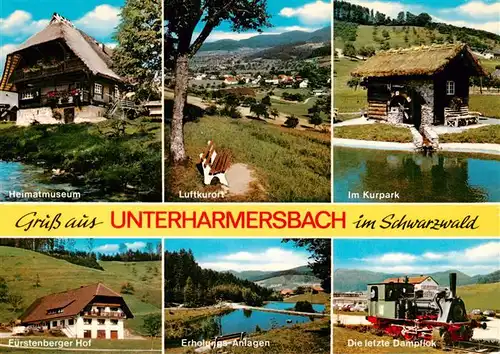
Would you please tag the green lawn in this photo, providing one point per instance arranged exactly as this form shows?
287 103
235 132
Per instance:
320 298
290 165
346 99
489 134
20 267
481 296
105 167
488 105
375 132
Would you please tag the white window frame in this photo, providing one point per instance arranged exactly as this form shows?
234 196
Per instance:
98 89
27 95
450 88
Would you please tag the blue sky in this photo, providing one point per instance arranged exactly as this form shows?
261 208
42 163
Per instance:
478 256
19 19
242 254
112 245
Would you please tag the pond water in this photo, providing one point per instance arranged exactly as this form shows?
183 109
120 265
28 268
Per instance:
247 321
19 177
442 177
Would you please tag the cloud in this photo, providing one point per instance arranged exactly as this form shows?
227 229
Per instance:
21 23
219 35
491 26
4 50
134 246
480 259
271 259
476 9
395 257
101 21
111 44
312 13
107 248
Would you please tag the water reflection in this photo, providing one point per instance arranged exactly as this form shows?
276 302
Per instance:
442 177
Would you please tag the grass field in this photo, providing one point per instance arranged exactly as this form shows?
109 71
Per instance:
320 298
488 105
289 165
127 344
19 267
489 134
105 167
480 296
376 132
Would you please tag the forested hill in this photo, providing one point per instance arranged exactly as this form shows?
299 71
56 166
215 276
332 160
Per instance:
187 283
357 18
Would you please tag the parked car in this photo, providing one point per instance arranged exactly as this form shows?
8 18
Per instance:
489 313
476 312
346 308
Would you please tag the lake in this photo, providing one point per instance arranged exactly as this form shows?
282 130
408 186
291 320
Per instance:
19 177
442 177
246 321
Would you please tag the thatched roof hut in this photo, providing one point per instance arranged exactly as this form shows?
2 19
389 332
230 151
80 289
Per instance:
415 85
416 61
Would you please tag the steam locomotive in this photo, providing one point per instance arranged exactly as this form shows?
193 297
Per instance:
401 311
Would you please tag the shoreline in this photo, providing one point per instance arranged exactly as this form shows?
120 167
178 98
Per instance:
489 149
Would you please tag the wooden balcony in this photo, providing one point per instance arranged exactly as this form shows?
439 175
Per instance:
67 66
104 314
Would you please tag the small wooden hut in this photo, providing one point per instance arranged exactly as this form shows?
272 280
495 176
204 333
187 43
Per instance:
415 85
61 74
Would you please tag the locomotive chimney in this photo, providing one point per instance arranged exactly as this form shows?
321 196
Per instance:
453 284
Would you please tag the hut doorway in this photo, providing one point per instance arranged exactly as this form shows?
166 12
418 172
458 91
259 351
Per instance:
400 109
416 107
69 115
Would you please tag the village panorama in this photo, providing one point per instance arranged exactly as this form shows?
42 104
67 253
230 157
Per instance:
80 108
256 122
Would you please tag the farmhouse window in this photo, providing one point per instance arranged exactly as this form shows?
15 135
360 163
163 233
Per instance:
101 322
71 322
114 322
54 323
98 89
27 95
87 321
450 88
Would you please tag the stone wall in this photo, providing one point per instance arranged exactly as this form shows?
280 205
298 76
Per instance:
44 115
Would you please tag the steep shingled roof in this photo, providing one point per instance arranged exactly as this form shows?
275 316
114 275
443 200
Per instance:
423 60
71 301
96 57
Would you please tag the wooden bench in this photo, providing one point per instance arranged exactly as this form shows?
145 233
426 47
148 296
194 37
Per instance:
461 116
215 164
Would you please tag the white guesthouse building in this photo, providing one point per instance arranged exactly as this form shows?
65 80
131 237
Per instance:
93 311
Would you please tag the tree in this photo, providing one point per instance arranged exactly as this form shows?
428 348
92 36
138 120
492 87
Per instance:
266 100
304 306
274 112
152 326
189 293
150 249
183 18
354 83
321 258
4 290
259 109
291 121
401 18
349 50
90 246
137 57
16 302
315 119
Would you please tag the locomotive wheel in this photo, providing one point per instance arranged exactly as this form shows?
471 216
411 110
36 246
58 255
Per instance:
446 339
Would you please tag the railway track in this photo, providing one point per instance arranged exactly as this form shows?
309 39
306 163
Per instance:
475 347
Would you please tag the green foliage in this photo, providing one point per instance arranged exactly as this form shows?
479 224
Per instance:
297 97
266 100
152 325
316 119
127 288
349 50
4 290
291 122
367 51
257 328
345 30
251 298
16 302
260 110
303 306
137 57
189 293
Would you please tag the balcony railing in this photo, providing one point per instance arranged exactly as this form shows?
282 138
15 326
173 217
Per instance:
65 66
111 314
